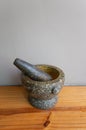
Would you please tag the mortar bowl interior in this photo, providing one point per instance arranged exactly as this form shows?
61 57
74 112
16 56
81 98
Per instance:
50 70
55 72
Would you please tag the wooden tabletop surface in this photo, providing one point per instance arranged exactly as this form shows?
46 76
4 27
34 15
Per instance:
17 114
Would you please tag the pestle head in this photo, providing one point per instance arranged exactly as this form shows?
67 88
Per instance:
32 71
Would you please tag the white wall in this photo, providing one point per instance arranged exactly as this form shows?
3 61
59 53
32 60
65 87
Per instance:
43 31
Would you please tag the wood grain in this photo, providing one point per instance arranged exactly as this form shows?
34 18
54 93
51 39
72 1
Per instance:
17 114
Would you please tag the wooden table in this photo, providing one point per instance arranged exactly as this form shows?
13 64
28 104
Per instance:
17 114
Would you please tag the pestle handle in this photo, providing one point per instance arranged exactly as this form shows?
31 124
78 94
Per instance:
31 70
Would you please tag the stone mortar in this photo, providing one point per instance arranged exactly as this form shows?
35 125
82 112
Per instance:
43 95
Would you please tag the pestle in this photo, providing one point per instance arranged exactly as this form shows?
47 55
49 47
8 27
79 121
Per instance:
32 71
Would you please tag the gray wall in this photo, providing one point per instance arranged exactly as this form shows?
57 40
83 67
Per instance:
43 31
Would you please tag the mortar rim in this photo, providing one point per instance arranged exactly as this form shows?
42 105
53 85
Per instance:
61 76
